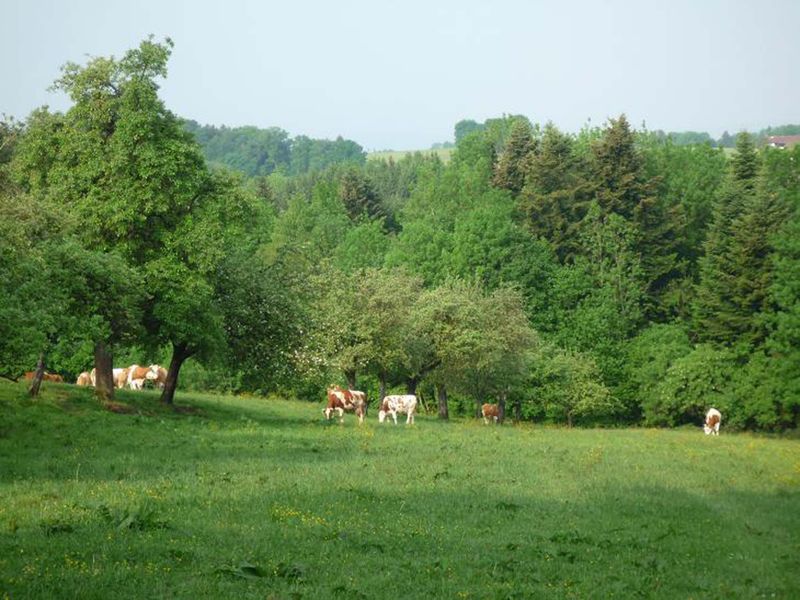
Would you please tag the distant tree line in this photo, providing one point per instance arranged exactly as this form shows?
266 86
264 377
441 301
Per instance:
679 138
258 152
605 277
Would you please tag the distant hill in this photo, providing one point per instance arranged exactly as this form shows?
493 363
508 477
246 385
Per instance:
256 152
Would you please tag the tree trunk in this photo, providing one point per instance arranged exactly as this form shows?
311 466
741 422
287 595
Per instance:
517 410
411 385
478 404
179 355
501 407
382 393
351 379
104 376
441 397
37 378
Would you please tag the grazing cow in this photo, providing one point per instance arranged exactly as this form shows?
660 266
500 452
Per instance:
490 411
341 400
713 421
84 379
137 375
392 405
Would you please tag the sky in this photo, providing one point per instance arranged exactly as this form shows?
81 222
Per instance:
400 74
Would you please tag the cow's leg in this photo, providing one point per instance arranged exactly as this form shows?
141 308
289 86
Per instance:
341 415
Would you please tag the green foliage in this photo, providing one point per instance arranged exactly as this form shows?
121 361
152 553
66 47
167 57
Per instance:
693 383
260 152
363 246
465 127
745 163
648 359
556 192
512 165
358 196
568 387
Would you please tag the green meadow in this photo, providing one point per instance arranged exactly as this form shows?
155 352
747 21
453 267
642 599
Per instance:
244 497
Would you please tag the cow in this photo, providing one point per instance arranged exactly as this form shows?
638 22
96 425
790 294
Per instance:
136 376
161 376
713 421
118 376
391 405
54 377
84 379
341 400
490 411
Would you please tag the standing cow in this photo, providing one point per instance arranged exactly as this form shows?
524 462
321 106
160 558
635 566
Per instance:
713 421
137 375
392 405
490 411
341 400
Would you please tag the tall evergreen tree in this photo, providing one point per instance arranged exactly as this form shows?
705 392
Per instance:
736 270
623 187
745 163
556 193
509 172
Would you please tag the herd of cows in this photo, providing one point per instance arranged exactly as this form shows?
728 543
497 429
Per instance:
340 400
134 377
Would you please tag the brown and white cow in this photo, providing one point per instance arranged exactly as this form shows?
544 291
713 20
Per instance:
490 411
137 375
713 421
84 379
54 377
391 405
161 376
341 400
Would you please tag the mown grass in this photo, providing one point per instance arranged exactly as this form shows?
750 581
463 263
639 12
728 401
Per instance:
249 498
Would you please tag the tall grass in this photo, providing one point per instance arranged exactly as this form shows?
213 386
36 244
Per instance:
254 498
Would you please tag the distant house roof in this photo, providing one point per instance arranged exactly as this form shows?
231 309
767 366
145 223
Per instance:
783 141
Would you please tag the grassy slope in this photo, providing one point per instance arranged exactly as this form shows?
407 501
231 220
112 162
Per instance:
253 498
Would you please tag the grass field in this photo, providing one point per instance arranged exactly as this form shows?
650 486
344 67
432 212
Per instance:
250 498
396 155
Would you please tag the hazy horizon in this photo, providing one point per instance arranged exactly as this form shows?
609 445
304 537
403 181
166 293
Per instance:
399 76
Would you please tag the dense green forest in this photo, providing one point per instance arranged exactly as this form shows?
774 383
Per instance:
255 151
612 276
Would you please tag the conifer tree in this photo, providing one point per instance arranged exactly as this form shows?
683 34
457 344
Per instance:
736 270
745 163
509 172
557 192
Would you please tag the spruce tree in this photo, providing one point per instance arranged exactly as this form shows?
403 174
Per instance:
745 163
736 270
509 172
557 192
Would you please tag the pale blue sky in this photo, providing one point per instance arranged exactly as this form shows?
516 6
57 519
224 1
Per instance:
401 74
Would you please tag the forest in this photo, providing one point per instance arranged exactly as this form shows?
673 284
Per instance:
609 277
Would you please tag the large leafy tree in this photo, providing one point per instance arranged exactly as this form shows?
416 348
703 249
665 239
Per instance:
135 183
